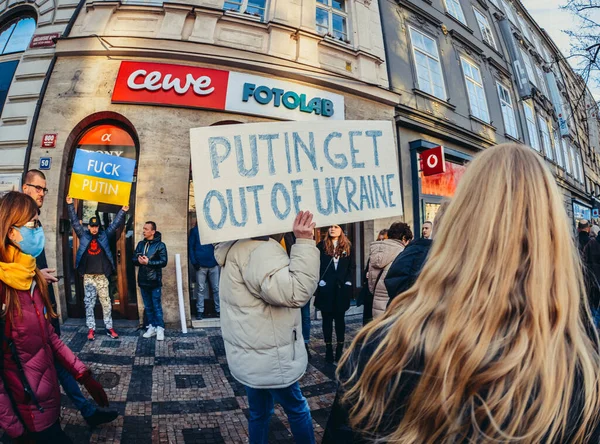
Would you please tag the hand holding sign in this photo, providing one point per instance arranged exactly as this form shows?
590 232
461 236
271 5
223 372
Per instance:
69 200
303 225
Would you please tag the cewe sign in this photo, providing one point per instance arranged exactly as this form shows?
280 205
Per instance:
433 161
193 87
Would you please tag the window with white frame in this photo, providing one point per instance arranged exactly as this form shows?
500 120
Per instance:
567 156
455 10
524 28
542 80
477 100
531 127
575 163
428 65
495 3
579 165
508 112
546 142
509 12
255 8
558 148
486 29
332 19
528 66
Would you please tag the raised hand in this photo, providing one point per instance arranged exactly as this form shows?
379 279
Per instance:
303 225
69 200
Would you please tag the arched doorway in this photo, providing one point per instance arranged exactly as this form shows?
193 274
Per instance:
116 139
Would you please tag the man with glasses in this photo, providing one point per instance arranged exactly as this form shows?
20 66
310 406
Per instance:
34 185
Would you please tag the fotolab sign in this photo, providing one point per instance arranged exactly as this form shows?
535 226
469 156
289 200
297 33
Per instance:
194 87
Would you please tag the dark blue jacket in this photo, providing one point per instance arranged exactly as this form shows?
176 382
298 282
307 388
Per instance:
201 255
406 267
151 275
85 237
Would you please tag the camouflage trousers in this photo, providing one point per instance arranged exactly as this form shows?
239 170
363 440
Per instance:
96 285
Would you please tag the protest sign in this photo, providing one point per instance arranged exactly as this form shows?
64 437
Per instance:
101 178
251 180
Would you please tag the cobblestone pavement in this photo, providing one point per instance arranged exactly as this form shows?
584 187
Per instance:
180 390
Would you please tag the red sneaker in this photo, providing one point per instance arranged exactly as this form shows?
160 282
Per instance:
91 334
112 333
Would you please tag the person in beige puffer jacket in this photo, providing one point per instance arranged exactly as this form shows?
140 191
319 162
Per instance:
262 290
382 254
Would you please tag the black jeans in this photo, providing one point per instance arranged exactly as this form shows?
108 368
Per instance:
52 435
340 326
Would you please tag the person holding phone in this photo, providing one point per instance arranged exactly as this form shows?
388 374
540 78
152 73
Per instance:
151 257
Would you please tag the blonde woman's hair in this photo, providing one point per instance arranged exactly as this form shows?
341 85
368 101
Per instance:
495 325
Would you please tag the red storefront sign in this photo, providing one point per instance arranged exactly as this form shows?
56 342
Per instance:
433 161
175 85
44 40
49 140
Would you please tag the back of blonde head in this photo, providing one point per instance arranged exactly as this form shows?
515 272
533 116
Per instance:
495 318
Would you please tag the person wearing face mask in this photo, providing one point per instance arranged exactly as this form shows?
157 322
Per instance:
34 185
29 346
95 262
335 288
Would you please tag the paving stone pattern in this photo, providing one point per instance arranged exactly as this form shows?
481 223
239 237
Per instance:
180 390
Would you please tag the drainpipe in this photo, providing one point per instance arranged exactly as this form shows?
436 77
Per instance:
38 106
385 44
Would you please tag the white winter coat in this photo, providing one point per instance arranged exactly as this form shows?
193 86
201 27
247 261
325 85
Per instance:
261 292
382 254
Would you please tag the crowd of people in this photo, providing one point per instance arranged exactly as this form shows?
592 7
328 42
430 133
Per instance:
480 330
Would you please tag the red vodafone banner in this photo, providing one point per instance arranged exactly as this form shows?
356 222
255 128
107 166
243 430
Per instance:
175 85
433 161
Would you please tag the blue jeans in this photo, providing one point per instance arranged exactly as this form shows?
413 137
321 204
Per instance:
71 387
204 274
152 303
306 322
261 402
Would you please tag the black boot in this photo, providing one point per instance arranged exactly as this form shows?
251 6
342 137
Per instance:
307 351
328 352
101 416
339 349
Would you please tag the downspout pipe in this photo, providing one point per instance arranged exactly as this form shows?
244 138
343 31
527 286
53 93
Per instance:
40 100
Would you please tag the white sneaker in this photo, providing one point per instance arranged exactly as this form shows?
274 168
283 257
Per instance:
150 332
160 334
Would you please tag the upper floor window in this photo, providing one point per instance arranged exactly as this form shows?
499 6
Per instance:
542 80
524 28
508 112
255 8
546 142
332 19
509 12
428 66
567 156
477 101
495 3
534 141
16 35
558 148
528 67
455 10
486 29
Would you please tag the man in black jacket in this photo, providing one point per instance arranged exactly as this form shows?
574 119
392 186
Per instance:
151 256
583 229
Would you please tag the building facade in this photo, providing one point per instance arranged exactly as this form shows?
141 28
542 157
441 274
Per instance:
475 73
117 53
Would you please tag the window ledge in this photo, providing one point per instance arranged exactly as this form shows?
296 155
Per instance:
514 139
434 98
333 40
243 15
464 25
482 122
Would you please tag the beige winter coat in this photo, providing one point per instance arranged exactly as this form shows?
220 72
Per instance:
382 254
261 292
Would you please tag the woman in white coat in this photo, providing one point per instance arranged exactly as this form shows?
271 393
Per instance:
382 254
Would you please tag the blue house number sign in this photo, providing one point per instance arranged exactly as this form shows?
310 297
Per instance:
45 163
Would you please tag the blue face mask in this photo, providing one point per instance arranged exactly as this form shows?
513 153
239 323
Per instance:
33 240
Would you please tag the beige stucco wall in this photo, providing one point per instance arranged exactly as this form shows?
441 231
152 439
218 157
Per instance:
164 159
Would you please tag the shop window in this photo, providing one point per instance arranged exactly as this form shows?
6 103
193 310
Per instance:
508 112
455 10
477 100
428 65
443 184
531 127
509 12
16 35
546 142
255 8
332 19
486 29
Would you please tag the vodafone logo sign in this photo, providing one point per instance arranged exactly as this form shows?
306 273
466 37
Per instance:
194 87
433 161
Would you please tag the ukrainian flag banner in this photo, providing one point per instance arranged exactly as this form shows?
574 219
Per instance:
101 177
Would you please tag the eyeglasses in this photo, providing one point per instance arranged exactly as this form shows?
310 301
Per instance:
38 188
